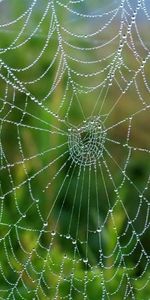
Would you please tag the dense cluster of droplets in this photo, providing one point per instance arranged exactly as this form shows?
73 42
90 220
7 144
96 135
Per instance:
86 141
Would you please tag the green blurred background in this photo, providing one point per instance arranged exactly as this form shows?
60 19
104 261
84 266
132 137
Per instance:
50 264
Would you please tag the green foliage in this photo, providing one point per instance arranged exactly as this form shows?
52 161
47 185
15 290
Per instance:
59 279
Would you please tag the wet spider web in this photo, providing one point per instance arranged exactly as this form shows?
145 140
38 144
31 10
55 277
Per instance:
74 146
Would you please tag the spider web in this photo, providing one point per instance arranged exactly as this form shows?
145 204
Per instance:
74 145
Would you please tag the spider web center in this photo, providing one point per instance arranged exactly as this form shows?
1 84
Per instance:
86 141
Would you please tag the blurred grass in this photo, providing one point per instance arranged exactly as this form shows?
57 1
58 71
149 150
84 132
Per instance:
35 142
